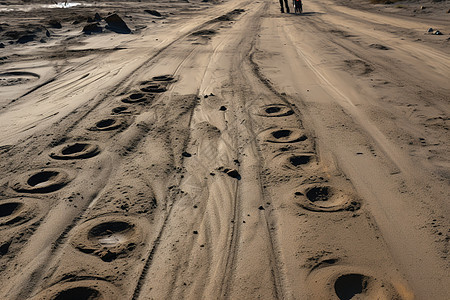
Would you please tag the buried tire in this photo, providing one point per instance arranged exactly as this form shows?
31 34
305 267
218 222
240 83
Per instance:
80 290
41 181
77 150
323 198
108 237
17 211
284 135
345 283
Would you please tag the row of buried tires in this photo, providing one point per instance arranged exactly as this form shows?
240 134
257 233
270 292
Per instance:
317 196
290 153
107 237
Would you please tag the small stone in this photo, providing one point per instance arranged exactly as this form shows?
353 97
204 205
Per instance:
195 232
186 154
223 108
261 208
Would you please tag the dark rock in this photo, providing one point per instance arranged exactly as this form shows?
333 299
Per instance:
54 24
116 24
2 45
380 47
92 28
90 20
97 17
186 154
261 208
153 12
430 30
195 232
26 39
437 32
47 33
223 108
233 174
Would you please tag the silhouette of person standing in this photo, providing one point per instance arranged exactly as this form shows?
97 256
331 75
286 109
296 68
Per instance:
286 4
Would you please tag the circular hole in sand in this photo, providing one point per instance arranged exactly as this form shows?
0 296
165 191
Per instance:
16 211
74 148
44 181
136 96
75 151
42 178
274 110
350 282
83 289
107 124
321 193
110 234
281 134
78 293
16 78
7 209
119 109
298 160
288 135
154 88
349 285
163 78
326 199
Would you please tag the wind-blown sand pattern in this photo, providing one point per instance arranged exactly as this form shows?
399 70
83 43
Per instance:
224 150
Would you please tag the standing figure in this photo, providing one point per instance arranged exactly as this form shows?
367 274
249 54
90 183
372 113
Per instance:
298 7
286 4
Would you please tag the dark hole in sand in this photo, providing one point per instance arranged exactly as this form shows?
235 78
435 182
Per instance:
41 177
163 78
281 133
136 96
349 285
299 160
273 110
109 228
8 209
321 193
105 123
78 293
119 109
75 148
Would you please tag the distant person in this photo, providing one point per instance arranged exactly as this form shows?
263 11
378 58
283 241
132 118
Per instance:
286 4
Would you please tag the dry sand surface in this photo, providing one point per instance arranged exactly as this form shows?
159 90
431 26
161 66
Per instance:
224 150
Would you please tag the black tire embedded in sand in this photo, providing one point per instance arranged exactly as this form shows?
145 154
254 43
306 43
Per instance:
80 290
136 98
295 161
284 135
164 78
77 150
17 211
154 87
15 78
41 181
121 110
323 198
345 283
108 237
108 124
274 110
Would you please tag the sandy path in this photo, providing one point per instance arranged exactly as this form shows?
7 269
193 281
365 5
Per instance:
284 157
